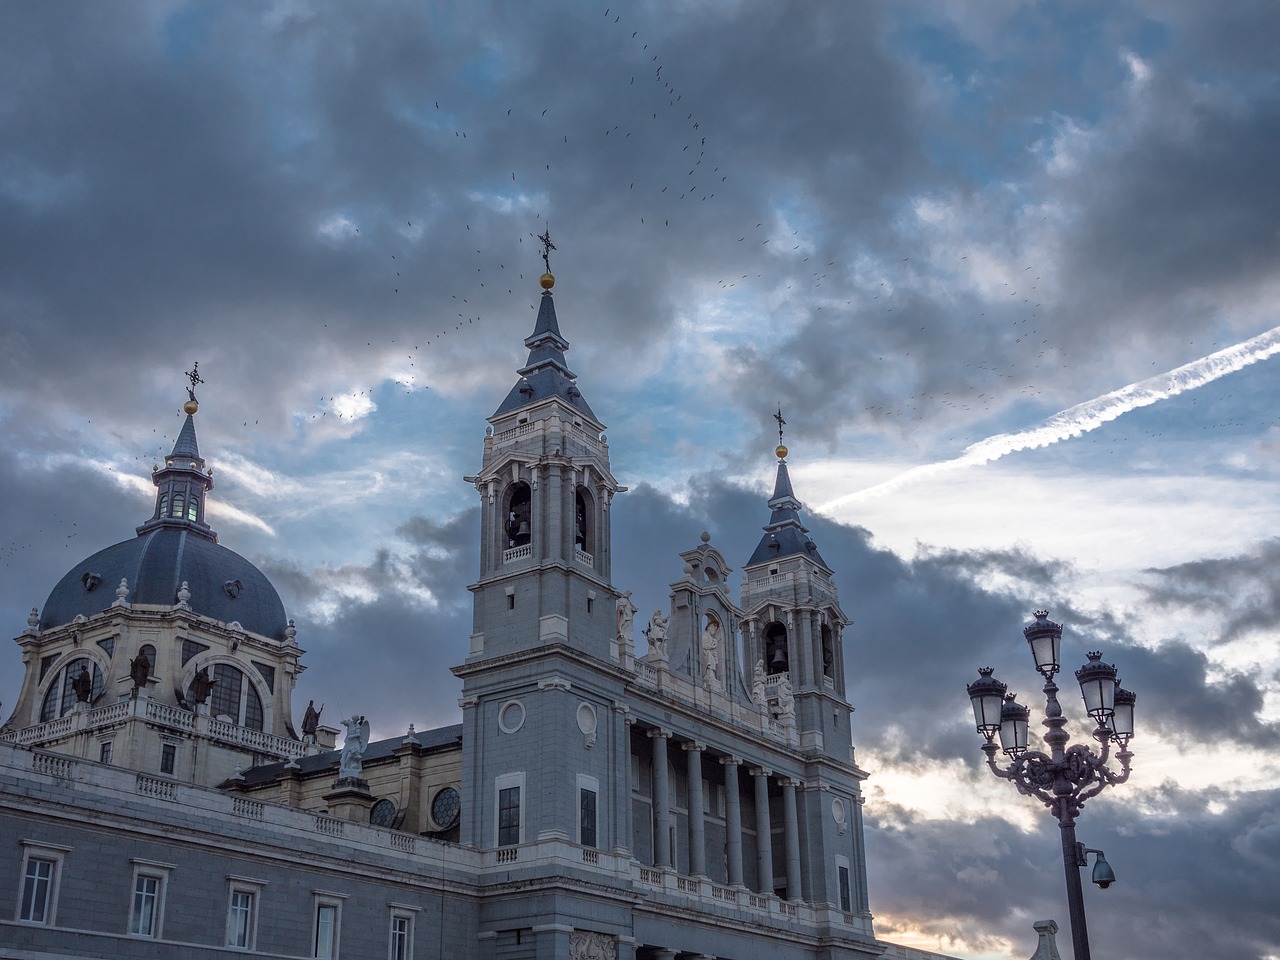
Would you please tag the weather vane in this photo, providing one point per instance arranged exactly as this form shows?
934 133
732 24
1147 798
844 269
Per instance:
547 247
781 423
194 376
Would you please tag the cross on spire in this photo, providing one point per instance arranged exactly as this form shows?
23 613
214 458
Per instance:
547 247
781 423
194 376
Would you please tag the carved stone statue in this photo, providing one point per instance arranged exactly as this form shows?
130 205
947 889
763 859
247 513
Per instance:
201 685
657 634
140 670
786 702
311 720
711 653
82 684
757 684
353 747
626 618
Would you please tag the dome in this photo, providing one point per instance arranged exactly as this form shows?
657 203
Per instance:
223 584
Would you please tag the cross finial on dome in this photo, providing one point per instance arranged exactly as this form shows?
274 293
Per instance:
782 450
192 405
547 247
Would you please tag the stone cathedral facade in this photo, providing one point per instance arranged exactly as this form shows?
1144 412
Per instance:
615 790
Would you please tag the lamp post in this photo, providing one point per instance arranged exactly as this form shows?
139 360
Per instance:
1066 777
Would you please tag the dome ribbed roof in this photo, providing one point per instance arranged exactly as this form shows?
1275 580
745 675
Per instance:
156 563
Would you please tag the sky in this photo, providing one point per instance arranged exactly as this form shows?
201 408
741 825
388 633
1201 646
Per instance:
1009 270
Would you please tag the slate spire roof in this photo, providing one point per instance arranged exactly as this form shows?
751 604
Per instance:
546 373
785 535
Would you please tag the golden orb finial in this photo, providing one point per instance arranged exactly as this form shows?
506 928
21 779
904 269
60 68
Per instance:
547 280
190 407
781 451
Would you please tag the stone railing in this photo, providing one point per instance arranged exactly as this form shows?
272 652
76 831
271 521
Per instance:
698 891
54 765
114 789
255 739
155 787
109 714
514 434
517 553
584 558
49 730
170 716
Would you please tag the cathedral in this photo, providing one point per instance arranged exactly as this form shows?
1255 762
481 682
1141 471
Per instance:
682 784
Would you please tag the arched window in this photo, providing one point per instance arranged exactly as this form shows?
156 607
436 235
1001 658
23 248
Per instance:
179 504
150 651
828 652
518 522
777 655
584 521
164 505
233 697
193 508
61 697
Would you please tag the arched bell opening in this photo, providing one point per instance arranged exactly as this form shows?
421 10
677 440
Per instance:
777 653
584 520
828 653
518 525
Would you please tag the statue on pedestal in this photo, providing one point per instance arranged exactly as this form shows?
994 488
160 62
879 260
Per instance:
349 765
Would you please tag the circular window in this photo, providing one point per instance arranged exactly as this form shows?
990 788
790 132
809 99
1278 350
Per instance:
445 808
511 716
586 718
383 813
837 811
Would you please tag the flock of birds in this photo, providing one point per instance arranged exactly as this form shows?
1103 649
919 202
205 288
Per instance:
655 110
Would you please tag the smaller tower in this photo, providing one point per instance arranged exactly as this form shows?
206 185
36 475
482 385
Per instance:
792 621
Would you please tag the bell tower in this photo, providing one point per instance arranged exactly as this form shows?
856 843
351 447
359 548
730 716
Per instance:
545 491
792 621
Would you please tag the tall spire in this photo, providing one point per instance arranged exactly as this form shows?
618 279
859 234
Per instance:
784 535
546 372
183 481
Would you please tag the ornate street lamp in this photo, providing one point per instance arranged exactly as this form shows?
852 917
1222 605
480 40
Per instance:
1066 777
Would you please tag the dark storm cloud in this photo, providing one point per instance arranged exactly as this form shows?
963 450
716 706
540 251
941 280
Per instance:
1244 590
1189 880
388 656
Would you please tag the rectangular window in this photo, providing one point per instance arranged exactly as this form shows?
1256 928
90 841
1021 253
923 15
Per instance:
37 890
508 816
842 872
146 909
168 753
401 941
104 751
41 872
146 900
242 911
326 939
587 817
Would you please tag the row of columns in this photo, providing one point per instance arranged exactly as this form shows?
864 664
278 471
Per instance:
662 854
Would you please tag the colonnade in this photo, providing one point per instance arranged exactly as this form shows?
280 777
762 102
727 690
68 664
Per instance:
732 772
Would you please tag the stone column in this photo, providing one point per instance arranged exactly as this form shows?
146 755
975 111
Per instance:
764 831
697 829
661 800
864 905
792 832
622 811
733 820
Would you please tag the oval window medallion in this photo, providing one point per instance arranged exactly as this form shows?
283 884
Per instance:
511 716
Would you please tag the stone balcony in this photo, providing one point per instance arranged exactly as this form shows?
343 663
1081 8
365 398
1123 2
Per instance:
156 714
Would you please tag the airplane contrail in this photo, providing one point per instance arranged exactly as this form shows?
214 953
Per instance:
1089 415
